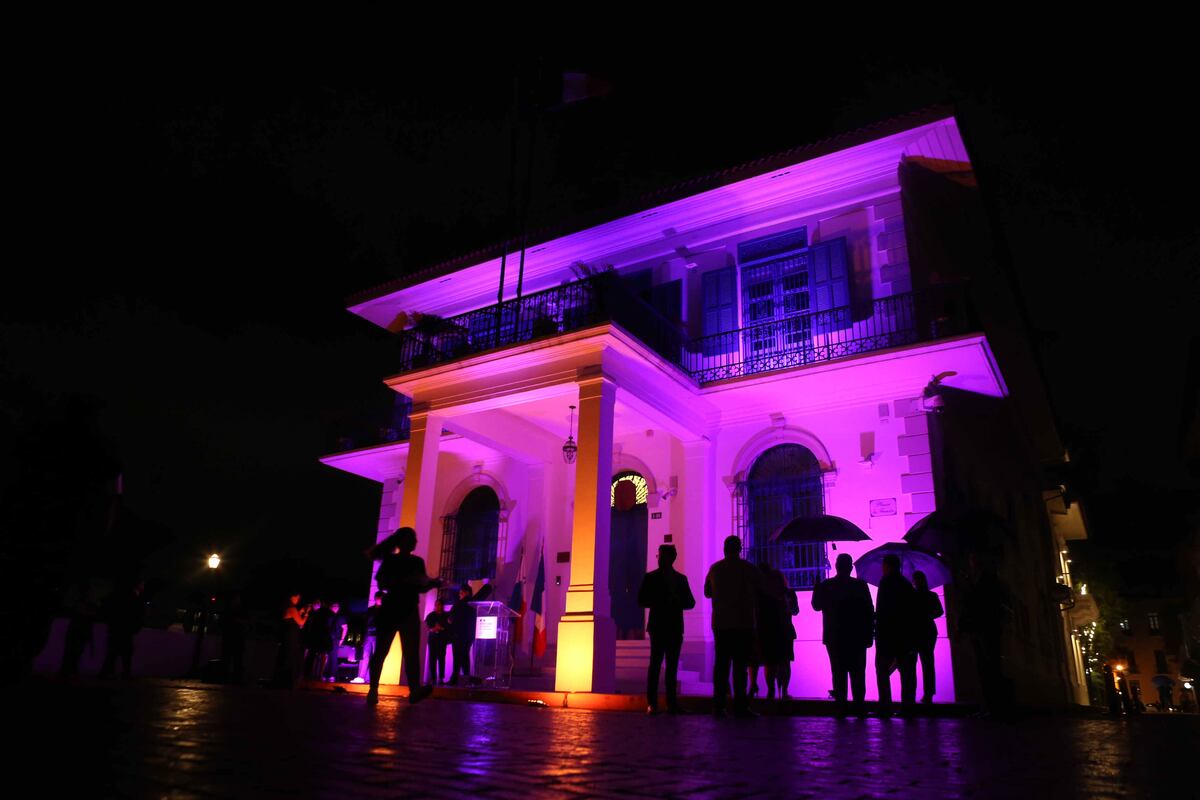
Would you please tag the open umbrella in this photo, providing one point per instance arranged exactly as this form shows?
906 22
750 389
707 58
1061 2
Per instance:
822 528
1163 681
869 565
956 532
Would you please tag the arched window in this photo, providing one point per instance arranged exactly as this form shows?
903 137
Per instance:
470 538
782 484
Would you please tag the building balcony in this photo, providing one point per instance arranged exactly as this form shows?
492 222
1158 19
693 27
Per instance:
753 350
779 344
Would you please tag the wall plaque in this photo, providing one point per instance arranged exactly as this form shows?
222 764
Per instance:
883 508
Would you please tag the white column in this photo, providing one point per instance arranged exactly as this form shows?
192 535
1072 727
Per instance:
587 645
696 502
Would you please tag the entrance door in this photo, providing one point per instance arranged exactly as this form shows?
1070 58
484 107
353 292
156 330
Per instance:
627 553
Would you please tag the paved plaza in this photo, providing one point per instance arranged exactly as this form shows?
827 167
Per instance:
134 739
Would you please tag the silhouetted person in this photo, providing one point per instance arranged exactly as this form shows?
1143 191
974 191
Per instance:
126 614
929 608
289 661
785 666
667 594
984 613
317 640
1111 696
462 634
733 585
339 626
234 624
772 628
1165 697
438 623
369 638
895 636
78 636
402 579
848 623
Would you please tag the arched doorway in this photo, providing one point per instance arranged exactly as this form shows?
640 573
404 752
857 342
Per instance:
783 483
470 538
627 552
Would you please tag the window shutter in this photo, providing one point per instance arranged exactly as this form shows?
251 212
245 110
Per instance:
720 308
831 284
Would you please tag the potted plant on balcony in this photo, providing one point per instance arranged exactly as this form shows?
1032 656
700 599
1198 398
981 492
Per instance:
427 328
544 322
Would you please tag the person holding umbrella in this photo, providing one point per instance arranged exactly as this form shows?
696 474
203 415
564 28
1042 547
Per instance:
847 630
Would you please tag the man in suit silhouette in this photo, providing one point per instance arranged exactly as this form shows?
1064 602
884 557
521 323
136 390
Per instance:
848 620
667 594
896 635
733 584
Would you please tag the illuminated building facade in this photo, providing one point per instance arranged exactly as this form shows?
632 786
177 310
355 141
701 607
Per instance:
741 350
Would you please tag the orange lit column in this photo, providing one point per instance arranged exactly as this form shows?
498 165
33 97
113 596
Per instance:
420 475
416 507
586 634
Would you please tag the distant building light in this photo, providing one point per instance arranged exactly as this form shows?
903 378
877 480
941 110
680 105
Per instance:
214 561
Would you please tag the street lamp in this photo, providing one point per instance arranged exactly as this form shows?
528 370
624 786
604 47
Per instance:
213 562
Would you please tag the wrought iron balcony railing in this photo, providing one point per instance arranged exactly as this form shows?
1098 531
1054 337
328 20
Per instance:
826 335
765 347
570 307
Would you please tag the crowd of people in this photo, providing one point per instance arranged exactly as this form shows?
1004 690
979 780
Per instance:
752 610
752 607
310 636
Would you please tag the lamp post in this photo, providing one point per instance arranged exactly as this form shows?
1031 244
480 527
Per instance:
212 563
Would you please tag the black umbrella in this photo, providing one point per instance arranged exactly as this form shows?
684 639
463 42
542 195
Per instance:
869 565
1162 681
955 532
822 528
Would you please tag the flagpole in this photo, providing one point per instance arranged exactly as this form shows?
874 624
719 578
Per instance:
512 182
532 642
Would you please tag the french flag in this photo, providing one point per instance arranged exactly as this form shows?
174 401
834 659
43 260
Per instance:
517 601
539 620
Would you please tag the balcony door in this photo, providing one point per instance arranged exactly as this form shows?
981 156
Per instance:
792 301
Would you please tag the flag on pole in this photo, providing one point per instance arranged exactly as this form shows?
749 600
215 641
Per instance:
517 601
539 620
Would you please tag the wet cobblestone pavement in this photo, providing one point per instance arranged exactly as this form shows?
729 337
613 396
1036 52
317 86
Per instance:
155 740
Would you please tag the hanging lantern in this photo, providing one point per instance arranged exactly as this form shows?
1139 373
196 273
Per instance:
569 447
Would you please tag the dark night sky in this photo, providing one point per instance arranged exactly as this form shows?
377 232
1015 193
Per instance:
197 230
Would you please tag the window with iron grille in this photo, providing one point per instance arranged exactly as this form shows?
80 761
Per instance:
472 538
784 483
